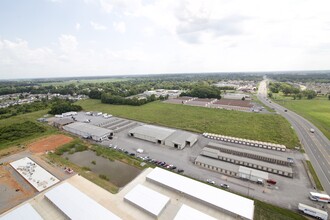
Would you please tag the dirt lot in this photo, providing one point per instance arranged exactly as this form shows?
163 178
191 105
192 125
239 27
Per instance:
13 188
49 143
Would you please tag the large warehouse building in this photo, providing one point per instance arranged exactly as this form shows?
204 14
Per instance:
168 137
89 131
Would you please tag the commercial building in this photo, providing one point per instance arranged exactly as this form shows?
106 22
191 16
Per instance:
60 122
76 205
165 136
147 199
248 162
26 212
181 139
186 212
243 152
151 133
220 199
89 131
230 169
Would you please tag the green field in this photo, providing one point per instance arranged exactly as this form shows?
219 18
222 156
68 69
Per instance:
13 121
265 211
316 110
84 81
263 127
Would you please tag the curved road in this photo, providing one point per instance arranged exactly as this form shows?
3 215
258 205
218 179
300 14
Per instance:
316 145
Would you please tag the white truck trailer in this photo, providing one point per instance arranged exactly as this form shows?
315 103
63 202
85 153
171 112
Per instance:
319 197
317 213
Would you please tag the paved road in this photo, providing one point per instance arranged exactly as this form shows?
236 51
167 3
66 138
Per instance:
316 145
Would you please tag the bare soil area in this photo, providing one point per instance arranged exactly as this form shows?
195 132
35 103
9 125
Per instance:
49 143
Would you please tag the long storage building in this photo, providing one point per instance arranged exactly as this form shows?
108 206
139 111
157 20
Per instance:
169 137
89 131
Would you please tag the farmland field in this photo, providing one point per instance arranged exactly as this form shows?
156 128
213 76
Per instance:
262 127
316 111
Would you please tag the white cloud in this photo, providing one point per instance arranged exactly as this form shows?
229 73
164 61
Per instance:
68 43
77 26
119 26
121 6
98 27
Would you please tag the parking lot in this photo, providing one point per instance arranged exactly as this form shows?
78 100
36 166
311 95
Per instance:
288 192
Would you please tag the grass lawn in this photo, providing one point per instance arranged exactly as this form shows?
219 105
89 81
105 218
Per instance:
24 118
316 111
262 127
265 211
314 175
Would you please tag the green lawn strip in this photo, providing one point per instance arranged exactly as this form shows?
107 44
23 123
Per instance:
256 100
265 211
83 171
112 155
263 127
316 111
315 177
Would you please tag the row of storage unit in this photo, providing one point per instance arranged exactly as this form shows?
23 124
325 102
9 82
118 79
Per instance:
252 143
239 151
248 162
231 170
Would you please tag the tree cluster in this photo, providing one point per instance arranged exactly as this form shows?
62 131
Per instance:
60 107
203 92
288 89
118 100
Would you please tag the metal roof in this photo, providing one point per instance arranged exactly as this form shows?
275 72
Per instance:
147 199
253 172
186 212
158 133
87 128
244 150
180 137
257 162
26 212
76 205
63 121
217 163
203 192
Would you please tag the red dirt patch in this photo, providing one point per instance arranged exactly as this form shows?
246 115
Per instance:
49 143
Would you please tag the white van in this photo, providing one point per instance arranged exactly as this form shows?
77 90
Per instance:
140 151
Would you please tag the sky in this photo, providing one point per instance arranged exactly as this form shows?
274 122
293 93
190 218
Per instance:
59 38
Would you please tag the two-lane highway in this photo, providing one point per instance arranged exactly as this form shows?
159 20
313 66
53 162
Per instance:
316 145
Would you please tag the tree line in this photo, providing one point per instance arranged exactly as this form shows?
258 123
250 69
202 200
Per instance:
288 89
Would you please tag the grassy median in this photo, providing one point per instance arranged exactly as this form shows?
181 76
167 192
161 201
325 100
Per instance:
314 175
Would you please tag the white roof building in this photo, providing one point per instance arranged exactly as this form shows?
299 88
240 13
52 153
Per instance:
76 205
223 200
147 199
26 212
186 212
88 130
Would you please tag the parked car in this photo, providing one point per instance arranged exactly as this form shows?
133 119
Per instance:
223 185
210 181
180 171
271 181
